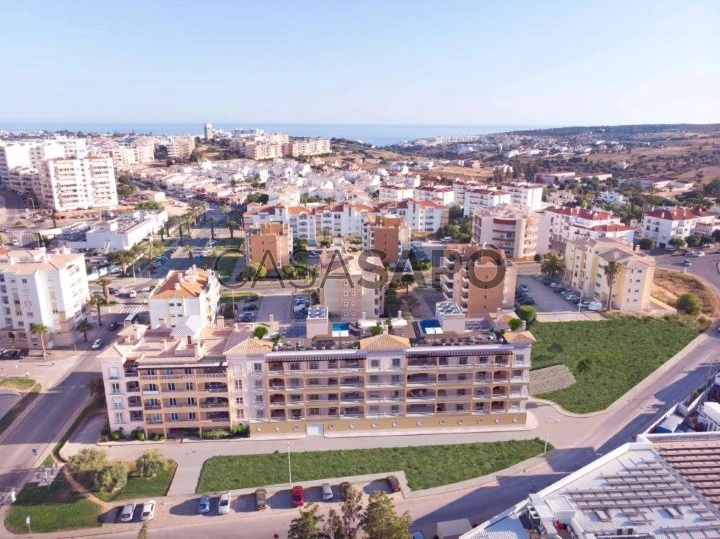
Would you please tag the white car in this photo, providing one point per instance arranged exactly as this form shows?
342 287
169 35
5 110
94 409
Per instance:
126 515
699 253
327 492
132 294
148 510
224 504
97 344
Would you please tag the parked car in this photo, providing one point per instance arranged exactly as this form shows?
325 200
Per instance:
204 504
250 307
670 248
553 284
23 353
260 499
148 510
699 253
327 493
687 263
524 287
132 294
251 299
393 483
112 290
127 513
344 489
298 496
97 344
113 326
224 504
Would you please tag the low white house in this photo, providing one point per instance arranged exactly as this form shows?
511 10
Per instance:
121 233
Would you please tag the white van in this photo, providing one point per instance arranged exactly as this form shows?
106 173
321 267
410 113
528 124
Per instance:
595 306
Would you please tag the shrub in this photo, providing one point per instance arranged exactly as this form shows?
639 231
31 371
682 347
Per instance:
688 304
158 437
216 434
527 313
538 258
240 430
260 332
141 436
515 324
112 477
87 460
116 435
106 429
151 463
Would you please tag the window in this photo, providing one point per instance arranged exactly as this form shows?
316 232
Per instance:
375 363
396 362
188 371
171 386
113 373
258 384
192 416
238 400
169 372
174 416
172 401
238 384
395 379
119 417
259 399
260 413
115 388
257 367
192 401
237 370
117 403
188 386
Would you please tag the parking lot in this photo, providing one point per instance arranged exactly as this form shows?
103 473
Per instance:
280 307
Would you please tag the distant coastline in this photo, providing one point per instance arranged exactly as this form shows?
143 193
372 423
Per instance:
376 134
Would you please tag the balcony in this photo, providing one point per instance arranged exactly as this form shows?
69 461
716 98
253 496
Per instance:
214 402
421 394
134 402
421 364
277 384
132 387
421 379
214 388
151 407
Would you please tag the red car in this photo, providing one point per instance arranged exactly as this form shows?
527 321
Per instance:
298 497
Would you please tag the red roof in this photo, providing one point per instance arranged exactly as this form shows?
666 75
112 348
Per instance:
583 213
678 214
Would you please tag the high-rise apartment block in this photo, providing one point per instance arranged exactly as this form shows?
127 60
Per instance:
349 289
387 234
180 146
37 287
77 184
479 281
270 244
299 147
193 292
585 262
515 230
137 154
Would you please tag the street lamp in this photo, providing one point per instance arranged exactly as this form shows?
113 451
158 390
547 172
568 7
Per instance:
547 433
289 465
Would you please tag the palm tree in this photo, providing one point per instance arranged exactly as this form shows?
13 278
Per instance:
212 228
105 283
326 234
232 225
84 326
407 280
125 258
412 303
582 368
611 271
40 330
553 265
97 301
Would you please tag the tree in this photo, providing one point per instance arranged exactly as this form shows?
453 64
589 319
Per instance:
527 313
678 242
40 330
97 301
87 460
96 388
611 271
124 258
346 523
515 324
583 367
407 279
688 304
306 525
538 258
260 332
380 521
553 265
712 189
112 478
151 463
232 226
254 271
104 282
84 326
412 303
212 228
376 330
647 244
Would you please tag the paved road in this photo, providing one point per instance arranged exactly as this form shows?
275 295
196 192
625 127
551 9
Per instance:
704 266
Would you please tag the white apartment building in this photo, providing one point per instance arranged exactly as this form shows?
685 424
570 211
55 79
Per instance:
344 219
33 153
395 193
526 195
420 215
22 180
440 193
551 178
37 287
306 146
663 225
75 184
482 198
193 293
460 190
585 260
514 229
121 233
180 146
572 223
344 295
127 156
13 156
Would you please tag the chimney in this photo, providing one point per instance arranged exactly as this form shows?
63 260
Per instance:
498 312
399 314
220 322
236 326
164 345
524 326
177 286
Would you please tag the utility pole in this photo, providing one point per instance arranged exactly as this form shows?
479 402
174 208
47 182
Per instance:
289 465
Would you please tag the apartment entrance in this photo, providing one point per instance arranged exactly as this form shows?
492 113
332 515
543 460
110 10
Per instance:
315 430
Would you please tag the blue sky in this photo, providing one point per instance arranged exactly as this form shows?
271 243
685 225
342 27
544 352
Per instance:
450 62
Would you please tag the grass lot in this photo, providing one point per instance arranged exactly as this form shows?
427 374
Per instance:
51 509
137 487
227 264
16 410
425 467
622 351
21 384
670 284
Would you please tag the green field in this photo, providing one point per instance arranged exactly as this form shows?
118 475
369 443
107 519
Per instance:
622 351
425 467
21 384
227 264
51 509
137 487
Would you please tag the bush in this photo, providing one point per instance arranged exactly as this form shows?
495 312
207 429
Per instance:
116 435
106 429
151 463
527 313
87 460
141 436
216 434
538 258
647 244
515 324
158 437
688 304
240 430
260 332
112 477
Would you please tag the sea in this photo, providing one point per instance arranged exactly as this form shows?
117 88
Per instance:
375 134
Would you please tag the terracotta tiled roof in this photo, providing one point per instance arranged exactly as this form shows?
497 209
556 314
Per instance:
251 346
518 336
677 214
385 342
187 288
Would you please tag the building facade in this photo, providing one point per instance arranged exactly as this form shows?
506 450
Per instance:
343 293
270 244
78 184
585 262
515 230
193 292
571 223
663 225
298 147
388 234
37 287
